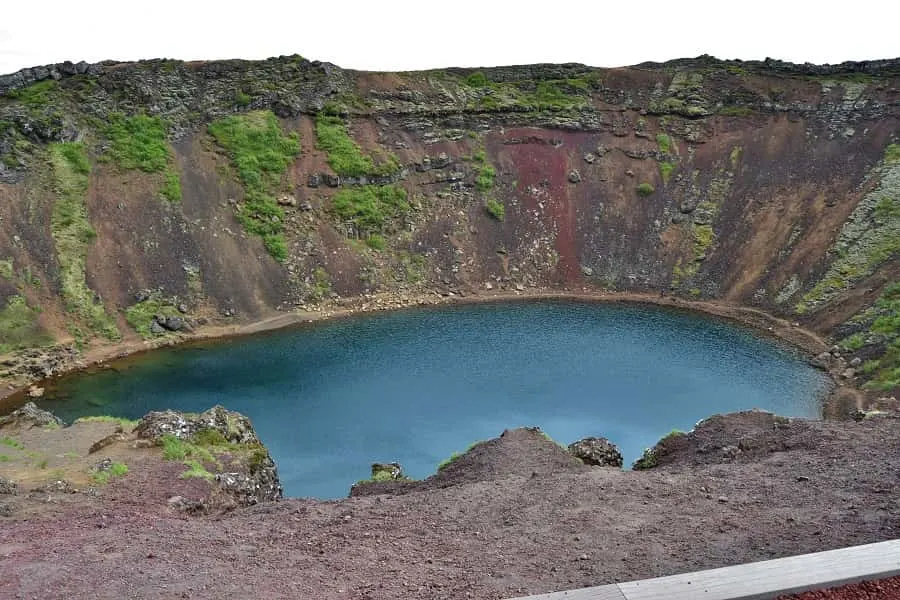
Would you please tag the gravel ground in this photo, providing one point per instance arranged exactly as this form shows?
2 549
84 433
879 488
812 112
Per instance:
515 516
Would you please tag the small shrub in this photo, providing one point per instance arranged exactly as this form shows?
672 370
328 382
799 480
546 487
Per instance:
117 469
36 94
476 80
196 469
370 207
241 99
645 189
648 460
495 209
665 170
376 242
484 178
664 143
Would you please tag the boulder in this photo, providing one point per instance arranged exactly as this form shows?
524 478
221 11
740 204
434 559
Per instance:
8 487
574 176
599 452
29 416
387 472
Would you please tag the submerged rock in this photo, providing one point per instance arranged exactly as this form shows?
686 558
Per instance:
30 416
599 452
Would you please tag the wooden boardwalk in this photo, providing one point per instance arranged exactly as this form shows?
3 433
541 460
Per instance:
755 581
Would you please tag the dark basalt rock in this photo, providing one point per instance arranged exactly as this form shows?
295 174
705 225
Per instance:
599 452
29 416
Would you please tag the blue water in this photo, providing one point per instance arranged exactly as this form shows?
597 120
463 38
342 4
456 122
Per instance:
415 386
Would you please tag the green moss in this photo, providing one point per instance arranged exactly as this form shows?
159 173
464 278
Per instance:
138 142
645 189
665 170
735 156
495 208
735 111
868 239
892 153
664 143
126 424
703 236
260 153
140 315
476 80
344 156
370 207
36 94
6 269
19 326
72 233
882 328
171 188
115 470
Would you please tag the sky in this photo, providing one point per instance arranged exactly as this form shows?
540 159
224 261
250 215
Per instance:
408 35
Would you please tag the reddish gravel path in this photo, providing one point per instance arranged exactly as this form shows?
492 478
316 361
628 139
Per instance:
882 589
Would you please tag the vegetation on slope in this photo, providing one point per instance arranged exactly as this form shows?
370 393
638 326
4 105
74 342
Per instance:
553 95
260 153
139 142
72 233
19 327
370 208
880 327
869 238
345 157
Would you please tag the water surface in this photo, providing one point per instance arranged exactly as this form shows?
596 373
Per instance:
414 386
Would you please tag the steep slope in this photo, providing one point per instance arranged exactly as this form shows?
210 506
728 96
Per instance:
138 199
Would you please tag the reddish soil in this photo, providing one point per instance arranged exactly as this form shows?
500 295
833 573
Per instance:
882 589
513 517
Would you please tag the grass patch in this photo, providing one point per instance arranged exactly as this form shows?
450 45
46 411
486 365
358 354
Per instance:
448 461
495 208
127 424
320 286
484 177
140 315
175 448
260 152
882 323
648 460
370 207
645 189
171 187
664 143
72 233
138 142
665 170
115 470
344 156
19 326
376 242
8 441
4 458
892 153
241 99
37 94
196 469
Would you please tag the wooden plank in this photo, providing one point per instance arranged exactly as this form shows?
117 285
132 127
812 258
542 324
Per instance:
755 581
603 592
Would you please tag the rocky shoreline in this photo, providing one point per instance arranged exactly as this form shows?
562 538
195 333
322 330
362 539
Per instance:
36 369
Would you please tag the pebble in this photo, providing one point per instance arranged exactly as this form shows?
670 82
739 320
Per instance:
723 499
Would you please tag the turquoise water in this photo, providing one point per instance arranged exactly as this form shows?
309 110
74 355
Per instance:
414 386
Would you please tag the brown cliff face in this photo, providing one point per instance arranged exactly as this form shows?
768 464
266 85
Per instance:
762 184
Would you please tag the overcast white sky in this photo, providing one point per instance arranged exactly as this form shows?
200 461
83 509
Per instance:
417 34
